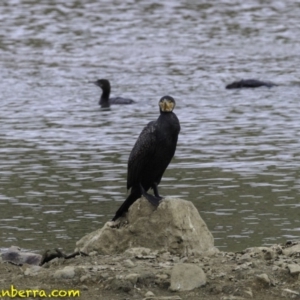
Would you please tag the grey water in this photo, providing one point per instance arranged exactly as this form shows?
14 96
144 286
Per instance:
63 159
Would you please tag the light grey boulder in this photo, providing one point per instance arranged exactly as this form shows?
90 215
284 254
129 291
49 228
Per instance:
288 293
16 256
174 226
264 278
294 269
291 250
32 270
186 277
67 272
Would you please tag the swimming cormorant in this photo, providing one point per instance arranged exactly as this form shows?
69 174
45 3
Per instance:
105 101
249 83
151 155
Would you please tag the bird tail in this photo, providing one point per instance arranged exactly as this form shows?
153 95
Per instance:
134 195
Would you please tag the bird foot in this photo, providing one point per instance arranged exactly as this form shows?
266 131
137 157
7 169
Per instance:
152 199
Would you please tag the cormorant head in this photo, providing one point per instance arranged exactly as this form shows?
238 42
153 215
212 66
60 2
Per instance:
103 84
166 104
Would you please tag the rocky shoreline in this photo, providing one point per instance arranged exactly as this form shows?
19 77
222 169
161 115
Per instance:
141 273
165 273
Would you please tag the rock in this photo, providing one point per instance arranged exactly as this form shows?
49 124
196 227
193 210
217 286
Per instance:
66 273
128 263
164 298
291 250
268 255
133 278
244 266
294 269
146 278
248 292
289 293
166 265
17 257
174 226
120 284
263 252
231 297
141 253
149 294
184 259
264 278
162 280
186 277
162 276
85 278
32 270
247 257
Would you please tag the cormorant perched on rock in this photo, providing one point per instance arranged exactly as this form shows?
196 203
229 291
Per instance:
151 155
105 101
249 83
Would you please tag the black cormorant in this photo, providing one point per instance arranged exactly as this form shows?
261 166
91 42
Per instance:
249 83
151 155
105 101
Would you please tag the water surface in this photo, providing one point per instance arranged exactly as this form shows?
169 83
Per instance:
63 160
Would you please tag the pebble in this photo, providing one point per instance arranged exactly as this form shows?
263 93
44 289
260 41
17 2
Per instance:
162 276
291 250
184 259
149 294
66 273
232 298
268 255
294 269
249 292
32 270
264 278
186 277
168 298
275 268
289 293
85 278
133 278
244 266
141 252
128 263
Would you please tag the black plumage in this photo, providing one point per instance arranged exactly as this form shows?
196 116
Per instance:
151 155
249 83
105 100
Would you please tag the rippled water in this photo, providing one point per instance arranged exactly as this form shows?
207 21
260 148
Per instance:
63 160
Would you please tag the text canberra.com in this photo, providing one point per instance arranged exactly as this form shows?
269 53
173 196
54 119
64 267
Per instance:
13 293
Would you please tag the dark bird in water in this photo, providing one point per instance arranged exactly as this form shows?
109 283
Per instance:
249 83
105 101
151 155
